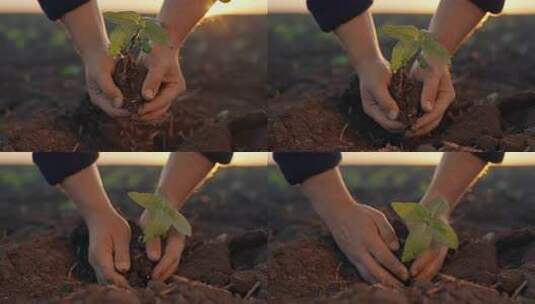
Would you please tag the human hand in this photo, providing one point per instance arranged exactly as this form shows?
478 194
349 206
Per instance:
164 81
367 239
437 94
103 92
375 76
109 244
174 245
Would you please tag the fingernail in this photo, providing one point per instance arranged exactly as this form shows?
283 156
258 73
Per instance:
149 94
122 267
393 115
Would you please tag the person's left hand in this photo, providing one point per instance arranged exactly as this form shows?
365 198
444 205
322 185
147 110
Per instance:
164 82
172 252
437 94
428 264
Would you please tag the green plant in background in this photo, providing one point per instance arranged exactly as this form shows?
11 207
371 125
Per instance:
134 31
161 216
412 43
426 225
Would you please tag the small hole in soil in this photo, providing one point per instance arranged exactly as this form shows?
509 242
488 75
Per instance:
248 249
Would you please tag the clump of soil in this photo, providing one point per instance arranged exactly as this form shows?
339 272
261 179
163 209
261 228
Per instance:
140 269
406 91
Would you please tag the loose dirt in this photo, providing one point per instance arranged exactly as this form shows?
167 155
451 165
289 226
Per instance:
222 110
315 103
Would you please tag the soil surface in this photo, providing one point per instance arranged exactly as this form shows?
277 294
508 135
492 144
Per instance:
254 243
43 251
47 108
315 102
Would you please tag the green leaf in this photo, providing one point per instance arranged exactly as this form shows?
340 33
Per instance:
432 48
411 212
438 207
161 216
418 241
127 18
444 234
402 53
156 33
400 32
119 39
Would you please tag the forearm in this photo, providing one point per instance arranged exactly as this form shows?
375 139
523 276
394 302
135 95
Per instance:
179 17
85 189
454 21
359 39
327 192
456 172
182 174
86 28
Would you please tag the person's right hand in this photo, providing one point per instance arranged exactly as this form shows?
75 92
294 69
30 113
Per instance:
375 76
99 67
109 241
367 240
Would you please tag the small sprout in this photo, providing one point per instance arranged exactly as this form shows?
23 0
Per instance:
413 43
161 216
133 30
426 224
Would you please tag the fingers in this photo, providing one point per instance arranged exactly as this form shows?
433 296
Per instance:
161 103
173 253
387 104
433 266
429 93
388 260
108 87
372 109
378 272
386 231
422 261
154 249
431 120
122 255
100 100
102 263
151 84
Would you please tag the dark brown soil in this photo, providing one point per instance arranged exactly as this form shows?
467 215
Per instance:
406 92
312 108
223 109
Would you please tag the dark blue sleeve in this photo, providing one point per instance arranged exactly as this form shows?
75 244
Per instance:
330 14
490 6
218 157
492 157
55 9
57 166
297 167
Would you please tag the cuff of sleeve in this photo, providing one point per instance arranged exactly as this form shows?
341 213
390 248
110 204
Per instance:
490 6
55 9
492 157
223 158
297 167
57 166
333 13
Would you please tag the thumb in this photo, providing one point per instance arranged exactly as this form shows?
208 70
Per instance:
122 255
387 104
109 88
429 93
152 83
386 230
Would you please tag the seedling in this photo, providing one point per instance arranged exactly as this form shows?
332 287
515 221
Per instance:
161 216
426 225
413 44
134 31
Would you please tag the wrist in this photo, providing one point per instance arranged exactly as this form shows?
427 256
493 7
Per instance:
429 198
363 65
96 215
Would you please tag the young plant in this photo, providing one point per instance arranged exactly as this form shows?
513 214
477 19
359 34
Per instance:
413 44
134 32
426 225
161 216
